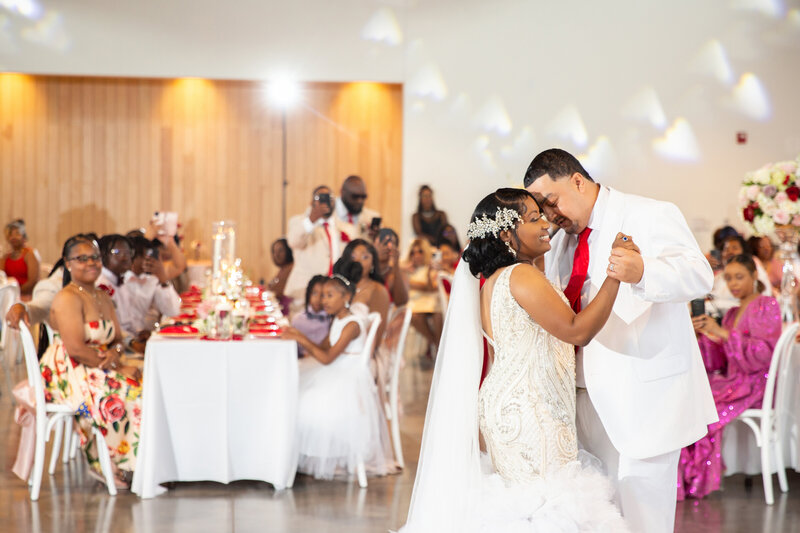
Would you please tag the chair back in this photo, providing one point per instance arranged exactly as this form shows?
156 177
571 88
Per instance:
444 297
9 295
779 382
34 372
373 322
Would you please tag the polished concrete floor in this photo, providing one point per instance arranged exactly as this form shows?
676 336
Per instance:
71 502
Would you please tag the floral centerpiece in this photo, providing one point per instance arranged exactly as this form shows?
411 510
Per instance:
769 197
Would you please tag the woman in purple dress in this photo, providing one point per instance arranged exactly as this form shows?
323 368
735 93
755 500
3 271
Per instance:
737 355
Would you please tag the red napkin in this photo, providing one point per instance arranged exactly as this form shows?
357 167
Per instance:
178 329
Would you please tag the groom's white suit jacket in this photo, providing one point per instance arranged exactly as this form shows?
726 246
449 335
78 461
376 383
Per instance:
643 371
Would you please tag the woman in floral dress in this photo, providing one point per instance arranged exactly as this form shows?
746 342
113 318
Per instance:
82 367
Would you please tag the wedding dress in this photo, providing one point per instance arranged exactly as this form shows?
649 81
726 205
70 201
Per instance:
534 478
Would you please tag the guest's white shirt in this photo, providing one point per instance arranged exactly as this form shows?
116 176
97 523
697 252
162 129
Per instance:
355 225
145 292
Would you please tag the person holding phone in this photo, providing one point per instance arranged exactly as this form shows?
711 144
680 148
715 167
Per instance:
316 238
358 221
737 355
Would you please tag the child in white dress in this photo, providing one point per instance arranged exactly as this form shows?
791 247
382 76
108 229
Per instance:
340 418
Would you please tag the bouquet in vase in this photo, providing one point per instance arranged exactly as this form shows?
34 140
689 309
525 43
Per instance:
769 197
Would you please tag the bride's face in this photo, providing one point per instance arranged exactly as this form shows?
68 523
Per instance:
532 239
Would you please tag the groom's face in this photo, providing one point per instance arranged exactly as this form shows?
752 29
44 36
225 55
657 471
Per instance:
561 201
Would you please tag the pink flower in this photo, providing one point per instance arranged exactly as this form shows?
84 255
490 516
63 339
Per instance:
796 220
752 192
781 197
112 408
781 217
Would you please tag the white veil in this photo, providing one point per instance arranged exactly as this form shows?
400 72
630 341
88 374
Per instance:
449 472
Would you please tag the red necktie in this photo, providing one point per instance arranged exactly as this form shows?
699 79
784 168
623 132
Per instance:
350 218
580 266
330 249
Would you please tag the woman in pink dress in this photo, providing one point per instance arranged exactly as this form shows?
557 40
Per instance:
737 355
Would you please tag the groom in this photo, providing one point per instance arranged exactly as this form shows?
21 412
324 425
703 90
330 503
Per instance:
643 393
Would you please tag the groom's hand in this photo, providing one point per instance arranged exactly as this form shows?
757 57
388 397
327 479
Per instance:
625 265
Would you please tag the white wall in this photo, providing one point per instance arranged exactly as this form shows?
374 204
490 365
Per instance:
488 84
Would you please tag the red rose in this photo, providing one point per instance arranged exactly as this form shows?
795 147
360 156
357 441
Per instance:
132 382
106 288
104 431
787 179
112 409
47 374
749 213
793 193
113 383
47 396
94 324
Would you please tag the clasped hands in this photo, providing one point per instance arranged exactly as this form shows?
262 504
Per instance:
625 263
111 359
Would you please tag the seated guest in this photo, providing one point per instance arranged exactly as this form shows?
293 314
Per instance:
82 367
340 419
737 355
147 288
450 256
20 263
356 220
428 221
316 240
449 234
763 249
715 255
424 294
387 244
371 294
313 322
283 259
721 298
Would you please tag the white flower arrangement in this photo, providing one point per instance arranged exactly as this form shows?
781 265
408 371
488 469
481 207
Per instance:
769 197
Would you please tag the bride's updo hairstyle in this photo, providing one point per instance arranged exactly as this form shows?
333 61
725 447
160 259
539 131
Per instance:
488 253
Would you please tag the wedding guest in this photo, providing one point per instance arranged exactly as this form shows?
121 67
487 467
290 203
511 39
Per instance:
283 259
371 294
449 234
313 321
737 355
428 221
340 418
358 221
424 294
117 254
20 262
715 255
387 244
147 287
316 239
82 368
450 256
721 299
764 250
171 254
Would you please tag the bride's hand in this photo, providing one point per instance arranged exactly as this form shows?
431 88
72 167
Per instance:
625 241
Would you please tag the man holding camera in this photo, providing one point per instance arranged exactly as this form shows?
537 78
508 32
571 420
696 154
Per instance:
358 221
316 239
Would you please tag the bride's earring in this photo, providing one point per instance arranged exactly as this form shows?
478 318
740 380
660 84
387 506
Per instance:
755 286
347 305
510 249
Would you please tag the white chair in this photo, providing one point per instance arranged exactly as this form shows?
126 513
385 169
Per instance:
392 405
9 295
50 416
374 321
767 423
444 298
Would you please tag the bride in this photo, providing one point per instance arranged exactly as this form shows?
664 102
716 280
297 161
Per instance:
534 478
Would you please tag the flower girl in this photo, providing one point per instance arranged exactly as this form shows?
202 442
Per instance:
340 419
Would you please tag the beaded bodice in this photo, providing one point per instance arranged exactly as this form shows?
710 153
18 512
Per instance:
526 405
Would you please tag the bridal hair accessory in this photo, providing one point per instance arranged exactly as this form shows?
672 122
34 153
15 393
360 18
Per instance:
504 219
342 279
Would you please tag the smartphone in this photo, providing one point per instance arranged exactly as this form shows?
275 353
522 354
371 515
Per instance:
698 307
716 254
436 259
151 252
168 220
324 198
375 225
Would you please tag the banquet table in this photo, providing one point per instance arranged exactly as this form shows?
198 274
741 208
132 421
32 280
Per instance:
217 411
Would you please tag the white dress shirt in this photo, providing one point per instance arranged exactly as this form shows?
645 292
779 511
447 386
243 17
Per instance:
142 293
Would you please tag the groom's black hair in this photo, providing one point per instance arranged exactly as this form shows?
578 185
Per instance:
556 163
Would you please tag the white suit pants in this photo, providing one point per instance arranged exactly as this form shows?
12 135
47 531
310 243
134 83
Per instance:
646 489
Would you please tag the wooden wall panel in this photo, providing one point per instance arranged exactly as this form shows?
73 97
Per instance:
101 154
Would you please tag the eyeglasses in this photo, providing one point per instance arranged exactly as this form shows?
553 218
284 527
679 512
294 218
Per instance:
358 196
121 252
83 259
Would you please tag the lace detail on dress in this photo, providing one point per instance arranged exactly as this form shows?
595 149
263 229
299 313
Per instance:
526 406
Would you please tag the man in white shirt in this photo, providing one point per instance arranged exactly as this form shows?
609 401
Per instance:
316 238
358 222
117 256
147 289
643 390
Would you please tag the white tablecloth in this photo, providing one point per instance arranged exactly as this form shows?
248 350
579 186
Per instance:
217 411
